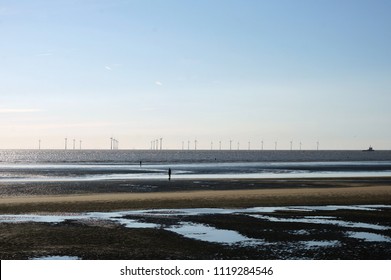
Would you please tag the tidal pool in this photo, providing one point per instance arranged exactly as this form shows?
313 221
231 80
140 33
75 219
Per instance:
210 233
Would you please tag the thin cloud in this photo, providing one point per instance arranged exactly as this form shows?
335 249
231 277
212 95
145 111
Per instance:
60 125
84 125
18 110
158 83
112 66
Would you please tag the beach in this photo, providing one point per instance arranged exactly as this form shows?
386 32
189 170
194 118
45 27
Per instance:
144 194
279 233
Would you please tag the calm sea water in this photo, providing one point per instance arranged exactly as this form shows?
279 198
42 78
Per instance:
76 165
186 156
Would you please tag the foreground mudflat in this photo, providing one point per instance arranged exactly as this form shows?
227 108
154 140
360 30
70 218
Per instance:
323 232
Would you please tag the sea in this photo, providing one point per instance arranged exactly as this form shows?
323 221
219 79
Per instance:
90 165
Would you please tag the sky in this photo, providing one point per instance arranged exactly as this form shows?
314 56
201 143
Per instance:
305 71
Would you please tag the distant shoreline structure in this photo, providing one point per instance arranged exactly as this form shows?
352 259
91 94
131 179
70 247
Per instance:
370 149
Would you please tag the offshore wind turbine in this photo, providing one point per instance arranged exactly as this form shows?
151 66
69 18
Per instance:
262 145
73 143
161 143
66 140
115 144
230 144
39 144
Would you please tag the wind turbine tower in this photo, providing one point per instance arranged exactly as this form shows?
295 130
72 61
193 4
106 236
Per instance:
115 143
66 140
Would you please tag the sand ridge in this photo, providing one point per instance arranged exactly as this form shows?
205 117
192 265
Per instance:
212 198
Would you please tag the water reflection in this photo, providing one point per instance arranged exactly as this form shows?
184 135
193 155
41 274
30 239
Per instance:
235 170
209 233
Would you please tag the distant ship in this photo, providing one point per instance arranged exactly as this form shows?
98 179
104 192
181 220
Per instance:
370 149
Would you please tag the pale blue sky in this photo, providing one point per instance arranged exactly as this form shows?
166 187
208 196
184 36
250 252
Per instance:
246 70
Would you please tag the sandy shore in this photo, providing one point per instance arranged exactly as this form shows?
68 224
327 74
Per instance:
286 240
342 195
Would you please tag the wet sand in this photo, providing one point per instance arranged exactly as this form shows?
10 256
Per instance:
285 240
144 194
